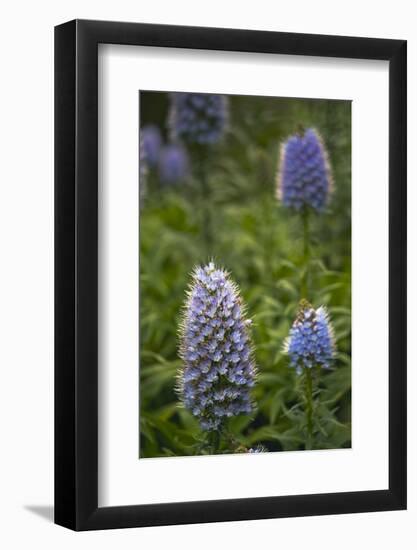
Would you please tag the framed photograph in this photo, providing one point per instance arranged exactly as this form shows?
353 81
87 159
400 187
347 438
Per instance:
230 254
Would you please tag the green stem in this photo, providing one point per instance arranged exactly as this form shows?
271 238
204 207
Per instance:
206 229
306 254
269 248
309 407
215 438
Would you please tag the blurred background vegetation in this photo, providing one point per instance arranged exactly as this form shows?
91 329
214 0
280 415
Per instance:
259 242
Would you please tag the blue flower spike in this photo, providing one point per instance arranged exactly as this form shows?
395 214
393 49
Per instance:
311 340
198 118
215 347
304 177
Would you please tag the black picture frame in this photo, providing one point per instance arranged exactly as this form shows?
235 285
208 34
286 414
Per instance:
76 272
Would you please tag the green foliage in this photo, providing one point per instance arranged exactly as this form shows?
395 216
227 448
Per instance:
260 243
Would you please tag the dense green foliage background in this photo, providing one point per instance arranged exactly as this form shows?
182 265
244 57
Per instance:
259 242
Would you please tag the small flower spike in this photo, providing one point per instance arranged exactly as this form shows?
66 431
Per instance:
311 340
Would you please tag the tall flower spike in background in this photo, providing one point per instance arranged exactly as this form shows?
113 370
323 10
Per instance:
304 183
310 345
198 118
200 121
304 176
218 369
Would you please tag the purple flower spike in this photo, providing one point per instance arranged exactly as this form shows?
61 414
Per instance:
218 369
152 142
304 176
143 171
173 165
198 118
311 340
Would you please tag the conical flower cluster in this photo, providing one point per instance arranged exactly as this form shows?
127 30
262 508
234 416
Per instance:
311 340
218 370
304 175
198 118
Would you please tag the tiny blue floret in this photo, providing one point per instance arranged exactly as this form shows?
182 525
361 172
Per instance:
258 449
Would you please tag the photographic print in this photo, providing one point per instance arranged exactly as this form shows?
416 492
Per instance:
245 274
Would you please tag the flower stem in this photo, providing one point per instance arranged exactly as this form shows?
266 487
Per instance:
202 175
215 438
306 253
309 407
